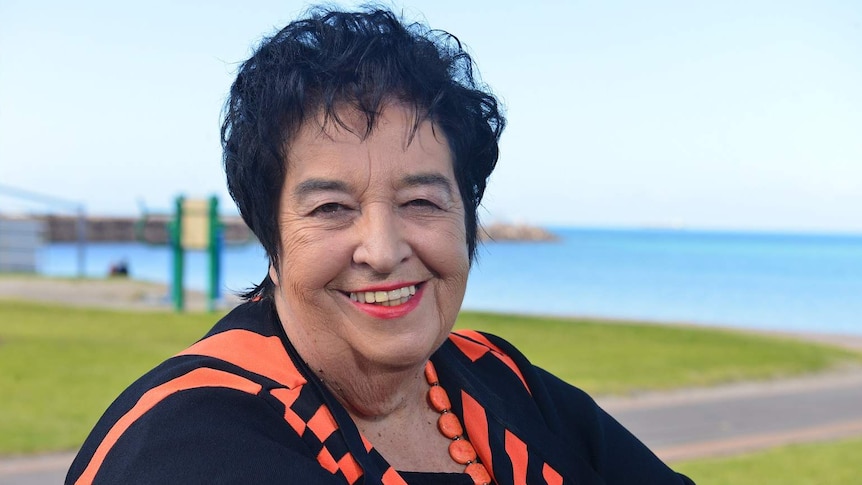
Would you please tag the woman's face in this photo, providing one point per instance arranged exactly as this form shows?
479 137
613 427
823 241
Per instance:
373 262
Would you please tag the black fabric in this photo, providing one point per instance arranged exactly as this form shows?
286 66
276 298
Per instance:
222 434
420 478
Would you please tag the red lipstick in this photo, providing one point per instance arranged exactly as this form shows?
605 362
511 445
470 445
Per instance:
390 312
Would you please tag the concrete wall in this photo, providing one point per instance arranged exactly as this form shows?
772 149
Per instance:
20 241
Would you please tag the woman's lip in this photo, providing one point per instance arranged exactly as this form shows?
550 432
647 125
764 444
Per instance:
389 312
386 287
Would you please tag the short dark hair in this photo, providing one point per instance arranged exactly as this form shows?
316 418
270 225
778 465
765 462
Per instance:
359 59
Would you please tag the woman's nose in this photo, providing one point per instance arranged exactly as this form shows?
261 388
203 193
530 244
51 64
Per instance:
382 242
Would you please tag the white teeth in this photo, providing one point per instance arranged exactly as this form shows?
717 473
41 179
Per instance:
398 296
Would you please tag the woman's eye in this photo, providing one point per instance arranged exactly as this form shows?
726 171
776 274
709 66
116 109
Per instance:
328 209
424 203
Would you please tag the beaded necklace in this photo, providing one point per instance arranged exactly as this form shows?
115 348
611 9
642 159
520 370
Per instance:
460 449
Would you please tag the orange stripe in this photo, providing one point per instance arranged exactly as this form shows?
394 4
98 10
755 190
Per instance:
517 451
288 397
551 476
327 461
366 443
471 349
350 468
195 379
322 424
477 429
253 352
391 477
478 337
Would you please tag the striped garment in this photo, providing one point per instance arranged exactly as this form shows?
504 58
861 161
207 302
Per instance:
240 406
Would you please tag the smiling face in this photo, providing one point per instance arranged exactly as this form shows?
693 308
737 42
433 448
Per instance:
373 263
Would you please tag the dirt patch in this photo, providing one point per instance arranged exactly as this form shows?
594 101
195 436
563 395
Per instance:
115 293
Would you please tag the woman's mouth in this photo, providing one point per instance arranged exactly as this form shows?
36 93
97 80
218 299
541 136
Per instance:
398 296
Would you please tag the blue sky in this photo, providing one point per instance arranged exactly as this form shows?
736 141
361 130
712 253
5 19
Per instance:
719 115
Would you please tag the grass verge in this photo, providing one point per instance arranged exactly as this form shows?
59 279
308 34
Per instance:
618 358
60 367
806 464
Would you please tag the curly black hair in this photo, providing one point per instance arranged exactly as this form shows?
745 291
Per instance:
362 59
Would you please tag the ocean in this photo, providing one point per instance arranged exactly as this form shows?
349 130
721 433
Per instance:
782 282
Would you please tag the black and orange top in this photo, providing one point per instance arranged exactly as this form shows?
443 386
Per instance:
240 406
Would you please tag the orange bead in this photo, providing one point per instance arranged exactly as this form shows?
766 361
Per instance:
478 473
462 451
439 399
449 425
430 373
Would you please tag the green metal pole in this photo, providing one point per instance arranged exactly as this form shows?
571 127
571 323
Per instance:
214 254
176 235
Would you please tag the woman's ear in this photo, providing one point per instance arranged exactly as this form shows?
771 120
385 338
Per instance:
273 274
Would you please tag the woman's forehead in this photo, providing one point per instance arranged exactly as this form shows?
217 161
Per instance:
395 142
349 118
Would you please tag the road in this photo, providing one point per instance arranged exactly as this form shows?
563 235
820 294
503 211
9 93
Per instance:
744 417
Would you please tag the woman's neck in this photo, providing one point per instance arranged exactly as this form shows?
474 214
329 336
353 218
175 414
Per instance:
389 407
391 410
368 392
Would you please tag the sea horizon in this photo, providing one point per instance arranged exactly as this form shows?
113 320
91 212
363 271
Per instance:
778 281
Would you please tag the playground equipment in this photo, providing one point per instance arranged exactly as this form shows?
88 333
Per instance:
194 226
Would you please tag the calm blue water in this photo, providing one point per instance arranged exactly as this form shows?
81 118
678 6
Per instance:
764 281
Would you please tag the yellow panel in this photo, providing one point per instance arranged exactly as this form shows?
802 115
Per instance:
195 224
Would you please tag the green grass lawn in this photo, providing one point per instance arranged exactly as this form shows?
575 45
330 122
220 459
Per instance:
60 367
613 358
835 463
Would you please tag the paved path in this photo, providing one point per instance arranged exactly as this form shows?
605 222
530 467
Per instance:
40 470
744 417
678 425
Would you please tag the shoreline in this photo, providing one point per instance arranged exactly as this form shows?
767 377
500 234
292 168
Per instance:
850 341
132 294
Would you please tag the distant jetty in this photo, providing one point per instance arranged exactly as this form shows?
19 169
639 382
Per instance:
153 229
499 232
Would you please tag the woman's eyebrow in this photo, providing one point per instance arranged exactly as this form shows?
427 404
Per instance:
431 178
307 187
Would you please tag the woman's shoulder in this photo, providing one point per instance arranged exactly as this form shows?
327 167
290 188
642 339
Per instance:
488 351
242 352
223 390
493 355
542 409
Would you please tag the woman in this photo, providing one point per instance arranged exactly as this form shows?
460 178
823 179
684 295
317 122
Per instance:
357 149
